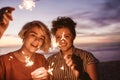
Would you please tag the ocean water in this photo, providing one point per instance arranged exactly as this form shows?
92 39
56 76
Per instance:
103 52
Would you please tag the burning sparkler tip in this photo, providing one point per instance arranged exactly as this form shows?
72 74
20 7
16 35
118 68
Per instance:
27 4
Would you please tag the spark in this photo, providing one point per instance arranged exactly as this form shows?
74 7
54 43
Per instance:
54 44
27 4
62 67
10 57
52 63
50 68
27 60
50 71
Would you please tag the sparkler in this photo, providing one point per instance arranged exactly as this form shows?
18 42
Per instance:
62 67
50 68
10 57
27 60
50 71
27 4
54 46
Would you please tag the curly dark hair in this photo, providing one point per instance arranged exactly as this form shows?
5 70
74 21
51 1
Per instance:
64 22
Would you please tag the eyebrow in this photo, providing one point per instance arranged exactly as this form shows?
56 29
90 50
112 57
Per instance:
64 34
32 32
36 33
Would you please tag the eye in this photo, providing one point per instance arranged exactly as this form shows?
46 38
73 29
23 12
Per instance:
67 36
57 37
32 35
41 38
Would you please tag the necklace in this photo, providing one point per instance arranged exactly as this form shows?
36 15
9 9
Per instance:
27 60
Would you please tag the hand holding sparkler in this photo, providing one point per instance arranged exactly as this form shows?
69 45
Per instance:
39 74
6 14
71 64
5 18
79 67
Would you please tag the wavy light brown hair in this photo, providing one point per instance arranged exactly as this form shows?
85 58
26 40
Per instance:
43 27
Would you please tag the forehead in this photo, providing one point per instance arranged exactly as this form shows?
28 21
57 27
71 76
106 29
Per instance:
36 30
63 30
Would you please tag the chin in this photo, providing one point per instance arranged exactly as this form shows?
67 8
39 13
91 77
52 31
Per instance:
33 50
63 49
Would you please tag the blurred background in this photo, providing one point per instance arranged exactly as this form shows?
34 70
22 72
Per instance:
98 23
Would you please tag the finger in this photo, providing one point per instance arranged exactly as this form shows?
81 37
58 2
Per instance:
5 19
69 62
39 73
67 57
9 15
39 70
40 76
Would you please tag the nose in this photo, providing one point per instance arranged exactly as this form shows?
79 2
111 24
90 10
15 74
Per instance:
62 40
37 39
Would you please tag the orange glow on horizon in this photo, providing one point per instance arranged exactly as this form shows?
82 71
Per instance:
92 40
16 41
10 41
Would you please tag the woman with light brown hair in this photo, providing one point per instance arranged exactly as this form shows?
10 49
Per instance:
25 63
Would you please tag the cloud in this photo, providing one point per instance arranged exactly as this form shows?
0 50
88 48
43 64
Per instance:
10 35
109 12
103 12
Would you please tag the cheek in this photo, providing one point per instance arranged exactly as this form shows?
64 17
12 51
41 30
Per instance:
28 40
69 41
41 43
58 40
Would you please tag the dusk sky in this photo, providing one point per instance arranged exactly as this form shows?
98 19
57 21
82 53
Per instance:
97 20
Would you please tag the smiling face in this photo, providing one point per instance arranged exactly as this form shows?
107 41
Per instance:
33 39
65 39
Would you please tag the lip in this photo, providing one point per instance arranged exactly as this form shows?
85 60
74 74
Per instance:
62 45
35 46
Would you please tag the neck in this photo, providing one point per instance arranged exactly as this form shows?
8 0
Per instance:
68 51
25 57
25 53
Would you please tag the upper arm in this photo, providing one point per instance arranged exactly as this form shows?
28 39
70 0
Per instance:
1 70
92 71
